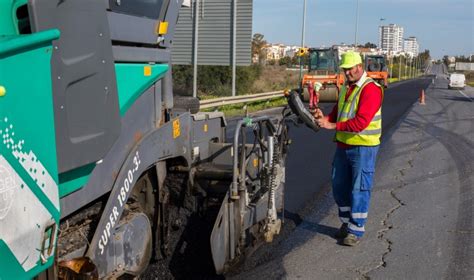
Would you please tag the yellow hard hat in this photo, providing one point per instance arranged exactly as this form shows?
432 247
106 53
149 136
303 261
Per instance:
350 59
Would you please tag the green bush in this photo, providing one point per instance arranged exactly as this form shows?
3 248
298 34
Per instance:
285 61
183 79
215 80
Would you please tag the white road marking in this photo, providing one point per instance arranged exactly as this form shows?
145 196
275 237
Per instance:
470 99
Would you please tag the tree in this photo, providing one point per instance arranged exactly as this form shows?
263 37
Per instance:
462 58
286 60
424 57
214 80
272 62
368 45
258 47
295 60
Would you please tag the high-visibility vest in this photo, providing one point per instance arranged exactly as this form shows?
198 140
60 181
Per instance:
347 109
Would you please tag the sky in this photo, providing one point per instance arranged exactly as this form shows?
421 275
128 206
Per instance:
445 27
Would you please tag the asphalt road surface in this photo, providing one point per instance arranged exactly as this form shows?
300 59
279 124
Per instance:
421 219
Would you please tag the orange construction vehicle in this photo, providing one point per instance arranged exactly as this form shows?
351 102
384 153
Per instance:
323 81
376 68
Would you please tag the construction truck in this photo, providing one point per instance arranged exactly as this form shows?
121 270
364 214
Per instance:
102 168
376 68
324 79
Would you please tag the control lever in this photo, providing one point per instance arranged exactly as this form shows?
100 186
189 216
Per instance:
298 108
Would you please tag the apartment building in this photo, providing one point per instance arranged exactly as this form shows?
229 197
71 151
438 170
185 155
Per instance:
391 38
277 51
410 46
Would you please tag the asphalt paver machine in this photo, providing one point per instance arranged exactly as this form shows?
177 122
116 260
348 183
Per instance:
100 171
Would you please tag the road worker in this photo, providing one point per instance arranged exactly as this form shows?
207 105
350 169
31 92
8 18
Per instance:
357 119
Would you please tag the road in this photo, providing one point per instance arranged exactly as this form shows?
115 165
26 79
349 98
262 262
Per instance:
421 219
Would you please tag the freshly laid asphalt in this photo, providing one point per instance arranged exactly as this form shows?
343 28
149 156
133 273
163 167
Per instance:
420 223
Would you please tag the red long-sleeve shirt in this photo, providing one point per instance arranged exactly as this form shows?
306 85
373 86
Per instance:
369 103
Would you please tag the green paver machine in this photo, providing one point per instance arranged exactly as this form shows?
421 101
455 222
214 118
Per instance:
100 172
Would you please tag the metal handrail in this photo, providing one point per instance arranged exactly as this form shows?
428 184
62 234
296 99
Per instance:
216 102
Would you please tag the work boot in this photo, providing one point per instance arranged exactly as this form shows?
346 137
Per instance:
351 240
342 231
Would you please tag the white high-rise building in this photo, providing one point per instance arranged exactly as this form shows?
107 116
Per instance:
391 38
410 46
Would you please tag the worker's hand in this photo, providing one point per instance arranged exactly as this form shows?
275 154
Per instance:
317 113
325 123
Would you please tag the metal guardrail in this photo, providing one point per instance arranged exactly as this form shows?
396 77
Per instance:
216 102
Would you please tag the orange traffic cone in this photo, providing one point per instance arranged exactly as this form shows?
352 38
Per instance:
422 97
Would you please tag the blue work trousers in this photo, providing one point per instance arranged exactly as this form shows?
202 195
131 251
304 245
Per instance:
352 174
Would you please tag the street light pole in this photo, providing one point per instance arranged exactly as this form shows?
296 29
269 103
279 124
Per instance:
406 70
399 67
390 59
357 24
409 68
390 62
417 66
420 66
302 43
234 44
304 24
195 47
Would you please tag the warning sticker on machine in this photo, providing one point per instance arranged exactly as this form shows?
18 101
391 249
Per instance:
176 129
